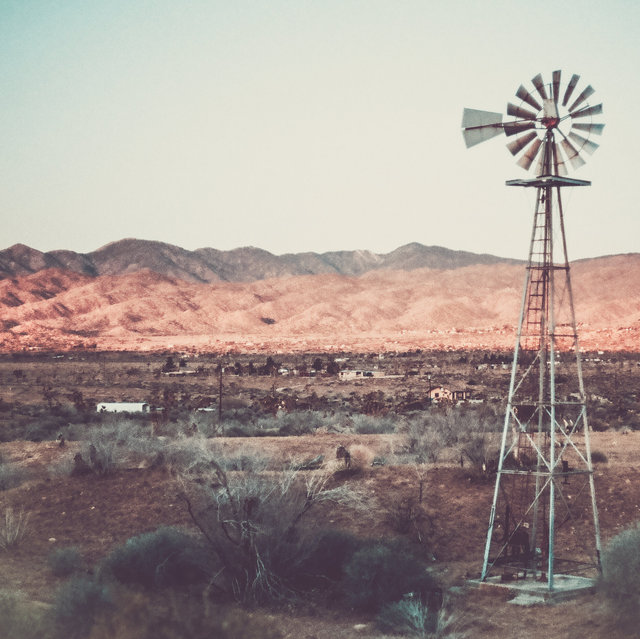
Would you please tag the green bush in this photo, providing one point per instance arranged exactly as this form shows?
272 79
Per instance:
620 579
64 562
291 428
328 557
598 457
382 572
372 424
239 430
166 557
78 603
11 475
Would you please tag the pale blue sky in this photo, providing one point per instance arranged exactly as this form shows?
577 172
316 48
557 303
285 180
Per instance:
301 125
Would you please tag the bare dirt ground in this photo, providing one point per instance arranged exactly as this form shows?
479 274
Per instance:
97 514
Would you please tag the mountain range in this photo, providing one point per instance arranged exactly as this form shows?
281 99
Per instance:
142 295
246 264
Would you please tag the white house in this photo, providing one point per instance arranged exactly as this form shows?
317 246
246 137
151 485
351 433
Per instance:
439 394
123 407
351 374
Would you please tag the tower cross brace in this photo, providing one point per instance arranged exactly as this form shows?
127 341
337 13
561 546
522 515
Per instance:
544 490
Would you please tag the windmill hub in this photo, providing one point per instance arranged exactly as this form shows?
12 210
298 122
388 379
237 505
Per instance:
550 119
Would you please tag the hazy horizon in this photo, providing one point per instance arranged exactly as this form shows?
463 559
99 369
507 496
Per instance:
301 126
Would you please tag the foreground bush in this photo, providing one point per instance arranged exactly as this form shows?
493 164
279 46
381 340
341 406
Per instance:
164 557
136 617
620 580
78 604
406 617
327 557
252 523
381 573
21 619
412 617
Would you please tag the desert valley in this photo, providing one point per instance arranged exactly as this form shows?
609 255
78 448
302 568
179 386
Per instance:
287 445
149 296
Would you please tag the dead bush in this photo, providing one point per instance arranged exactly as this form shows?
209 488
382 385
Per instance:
14 527
252 523
361 457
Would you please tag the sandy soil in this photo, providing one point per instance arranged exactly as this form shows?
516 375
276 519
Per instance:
98 513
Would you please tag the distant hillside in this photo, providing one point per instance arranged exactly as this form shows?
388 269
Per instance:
247 264
472 306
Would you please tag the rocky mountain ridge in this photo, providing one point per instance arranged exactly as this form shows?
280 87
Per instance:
246 264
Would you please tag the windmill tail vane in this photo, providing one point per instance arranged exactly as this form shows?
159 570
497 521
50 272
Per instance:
550 124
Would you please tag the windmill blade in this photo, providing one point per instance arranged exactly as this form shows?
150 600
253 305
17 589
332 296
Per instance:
513 128
588 127
558 162
525 96
519 143
589 91
572 154
519 112
556 85
539 85
530 154
582 113
583 143
570 87
478 126
540 164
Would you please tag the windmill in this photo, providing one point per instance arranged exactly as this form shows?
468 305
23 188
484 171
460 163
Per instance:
543 524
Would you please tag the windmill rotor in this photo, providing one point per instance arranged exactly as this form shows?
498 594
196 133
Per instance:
542 119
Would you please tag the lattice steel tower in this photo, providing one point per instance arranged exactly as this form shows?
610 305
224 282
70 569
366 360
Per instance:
544 519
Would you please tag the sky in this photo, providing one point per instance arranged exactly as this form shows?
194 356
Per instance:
302 125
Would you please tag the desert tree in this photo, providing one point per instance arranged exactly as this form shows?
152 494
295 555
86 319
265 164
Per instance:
252 521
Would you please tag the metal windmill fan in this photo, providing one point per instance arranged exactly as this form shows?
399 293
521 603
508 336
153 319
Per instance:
546 118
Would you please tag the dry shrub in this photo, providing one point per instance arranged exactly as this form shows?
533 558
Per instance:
361 457
251 522
414 618
13 528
